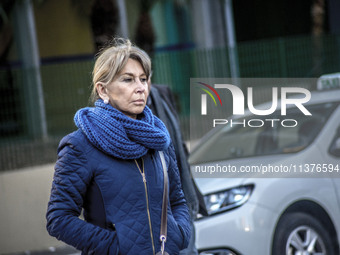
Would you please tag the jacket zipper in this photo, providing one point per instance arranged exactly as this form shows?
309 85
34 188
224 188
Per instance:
142 172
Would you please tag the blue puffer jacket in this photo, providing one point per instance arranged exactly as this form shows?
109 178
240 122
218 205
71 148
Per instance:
122 215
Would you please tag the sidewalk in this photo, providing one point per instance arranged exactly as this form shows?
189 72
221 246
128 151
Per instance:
67 250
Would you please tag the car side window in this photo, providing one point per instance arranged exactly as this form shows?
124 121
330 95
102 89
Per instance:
335 145
301 136
242 140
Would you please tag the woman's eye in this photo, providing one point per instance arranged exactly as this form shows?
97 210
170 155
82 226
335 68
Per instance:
143 80
127 80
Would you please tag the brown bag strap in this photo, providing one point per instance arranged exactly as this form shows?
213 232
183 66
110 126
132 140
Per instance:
163 233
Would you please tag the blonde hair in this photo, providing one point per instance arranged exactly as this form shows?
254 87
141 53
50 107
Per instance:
112 59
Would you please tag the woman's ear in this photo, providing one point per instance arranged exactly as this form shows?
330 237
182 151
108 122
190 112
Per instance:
101 90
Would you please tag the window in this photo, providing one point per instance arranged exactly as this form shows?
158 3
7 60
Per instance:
264 135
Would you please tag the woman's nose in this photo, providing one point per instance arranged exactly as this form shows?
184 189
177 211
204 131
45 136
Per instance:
141 86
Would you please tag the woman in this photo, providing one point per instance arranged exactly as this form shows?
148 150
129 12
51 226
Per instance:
110 167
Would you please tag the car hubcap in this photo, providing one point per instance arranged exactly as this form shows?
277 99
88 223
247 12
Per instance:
305 241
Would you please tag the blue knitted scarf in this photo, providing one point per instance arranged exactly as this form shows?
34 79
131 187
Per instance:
119 135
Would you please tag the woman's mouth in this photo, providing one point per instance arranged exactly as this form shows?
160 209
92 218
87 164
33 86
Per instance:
139 101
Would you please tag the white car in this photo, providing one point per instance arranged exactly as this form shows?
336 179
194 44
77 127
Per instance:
283 194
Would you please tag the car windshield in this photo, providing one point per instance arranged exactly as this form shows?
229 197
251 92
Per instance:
267 138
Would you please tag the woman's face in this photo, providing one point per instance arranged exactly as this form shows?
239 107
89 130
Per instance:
129 91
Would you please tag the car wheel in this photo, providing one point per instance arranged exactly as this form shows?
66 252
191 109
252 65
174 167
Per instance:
300 234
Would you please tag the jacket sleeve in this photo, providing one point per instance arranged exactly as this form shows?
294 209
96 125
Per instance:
178 203
69 185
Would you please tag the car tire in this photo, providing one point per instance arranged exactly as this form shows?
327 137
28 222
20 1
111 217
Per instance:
300 233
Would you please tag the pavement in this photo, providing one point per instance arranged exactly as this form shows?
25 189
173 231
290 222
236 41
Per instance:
67 250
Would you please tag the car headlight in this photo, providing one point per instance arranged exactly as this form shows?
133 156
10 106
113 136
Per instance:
228 199
217 252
